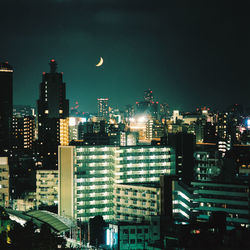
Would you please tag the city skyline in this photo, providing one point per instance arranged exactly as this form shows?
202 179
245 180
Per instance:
124 124
189 54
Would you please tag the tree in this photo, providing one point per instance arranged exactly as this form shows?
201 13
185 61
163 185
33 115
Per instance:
27 238
97 230
23 237
47 240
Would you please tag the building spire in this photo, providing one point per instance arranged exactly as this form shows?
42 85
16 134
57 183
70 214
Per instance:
53 66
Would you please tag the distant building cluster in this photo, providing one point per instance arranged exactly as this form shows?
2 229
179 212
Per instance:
146 172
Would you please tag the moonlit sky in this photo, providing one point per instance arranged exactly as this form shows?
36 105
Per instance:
190 53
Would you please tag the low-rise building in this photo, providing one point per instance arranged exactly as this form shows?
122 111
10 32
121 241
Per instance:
28 202
136 202
206 165
46 187
4 182
124 235
231 198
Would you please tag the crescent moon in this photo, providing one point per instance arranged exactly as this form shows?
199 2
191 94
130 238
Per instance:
100 63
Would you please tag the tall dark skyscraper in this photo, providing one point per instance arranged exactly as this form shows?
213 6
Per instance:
52 106
6 106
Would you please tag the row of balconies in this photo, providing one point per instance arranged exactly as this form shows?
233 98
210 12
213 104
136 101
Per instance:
140 195
123 217
93 212
137 211
46 176
43 183
4 182
135 203
94 196
47 191
48 195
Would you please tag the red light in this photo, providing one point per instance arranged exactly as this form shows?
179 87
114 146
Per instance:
52 60
83 113
8 63
137 102
157 102
43 73
76 102
197 231
151 91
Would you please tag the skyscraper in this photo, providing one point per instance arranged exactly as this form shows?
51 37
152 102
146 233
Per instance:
52 106
148 106
6 106
103 108
87 176
23 131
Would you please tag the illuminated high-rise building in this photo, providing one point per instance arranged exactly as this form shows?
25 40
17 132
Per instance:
51 106
6 105
88 174
74 124
46 187
129 112
23 130
64 132
221 126
103 108
149 129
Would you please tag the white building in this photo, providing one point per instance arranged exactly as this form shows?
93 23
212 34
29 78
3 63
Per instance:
46 187
88 174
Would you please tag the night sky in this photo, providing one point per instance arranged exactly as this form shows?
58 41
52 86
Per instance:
190 53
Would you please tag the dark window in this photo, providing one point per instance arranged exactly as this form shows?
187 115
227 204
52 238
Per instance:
146 230
139 231
125 231
132 231
132 241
